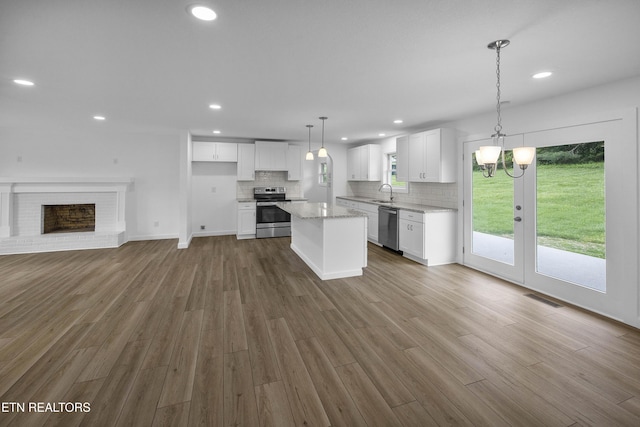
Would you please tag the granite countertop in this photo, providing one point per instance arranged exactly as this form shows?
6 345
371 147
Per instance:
400 205
245 200
318 211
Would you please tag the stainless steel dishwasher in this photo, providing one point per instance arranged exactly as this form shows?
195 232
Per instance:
388 227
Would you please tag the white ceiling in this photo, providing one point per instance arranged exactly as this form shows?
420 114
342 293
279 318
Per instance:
277 65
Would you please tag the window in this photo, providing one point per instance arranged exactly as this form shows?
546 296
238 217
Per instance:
322 173
390 174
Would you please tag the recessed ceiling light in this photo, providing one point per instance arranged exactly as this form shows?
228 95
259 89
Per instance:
344 138
215 106
398 121
99 117
216 131
203 13
382 134
542 75
23 82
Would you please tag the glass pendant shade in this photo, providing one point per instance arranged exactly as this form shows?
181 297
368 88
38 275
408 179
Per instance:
479 160
489 154
322 152
523 156
309 153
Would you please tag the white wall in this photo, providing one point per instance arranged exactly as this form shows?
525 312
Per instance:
213 198
310 187
152 160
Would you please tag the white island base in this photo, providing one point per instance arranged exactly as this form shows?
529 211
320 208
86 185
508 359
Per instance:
332 240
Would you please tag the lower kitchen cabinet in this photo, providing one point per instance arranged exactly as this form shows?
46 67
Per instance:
246 220
411 233
428 238
372 213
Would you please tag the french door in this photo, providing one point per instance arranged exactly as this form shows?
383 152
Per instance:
552 229
494 217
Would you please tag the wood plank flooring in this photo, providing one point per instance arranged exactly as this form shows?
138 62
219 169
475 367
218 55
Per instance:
242 333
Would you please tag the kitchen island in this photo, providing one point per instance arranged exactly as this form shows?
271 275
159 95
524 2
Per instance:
330 239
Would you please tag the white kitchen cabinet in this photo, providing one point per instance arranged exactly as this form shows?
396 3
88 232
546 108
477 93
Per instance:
215 151
246 162
294 163
364 163
411 233
246 220
432 156
402 158
271 156
428 238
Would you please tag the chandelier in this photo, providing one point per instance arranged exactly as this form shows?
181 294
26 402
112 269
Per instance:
487 156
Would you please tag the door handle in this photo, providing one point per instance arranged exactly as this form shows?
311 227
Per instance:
517 219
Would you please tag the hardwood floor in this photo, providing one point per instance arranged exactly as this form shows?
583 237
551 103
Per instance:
233 332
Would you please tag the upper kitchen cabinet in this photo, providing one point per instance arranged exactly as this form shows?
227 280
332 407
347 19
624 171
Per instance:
432 156
271 156
294 163
364 163
246 162
215 151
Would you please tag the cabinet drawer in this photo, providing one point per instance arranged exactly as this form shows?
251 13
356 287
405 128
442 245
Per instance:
246 205
412 216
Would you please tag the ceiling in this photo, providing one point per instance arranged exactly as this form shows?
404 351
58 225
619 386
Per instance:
275 66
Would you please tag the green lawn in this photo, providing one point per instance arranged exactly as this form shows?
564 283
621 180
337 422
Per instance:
570 206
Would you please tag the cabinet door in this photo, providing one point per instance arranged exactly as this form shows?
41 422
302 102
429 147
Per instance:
411 238
432 156
271 156
371 162
294 163
246 219
353 164
246 162
416 157
402 158
203 151
226 152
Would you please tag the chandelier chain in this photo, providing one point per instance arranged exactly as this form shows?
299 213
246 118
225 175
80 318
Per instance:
498 127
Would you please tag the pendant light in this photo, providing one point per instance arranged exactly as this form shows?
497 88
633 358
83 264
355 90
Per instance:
309 153
487 156
323 151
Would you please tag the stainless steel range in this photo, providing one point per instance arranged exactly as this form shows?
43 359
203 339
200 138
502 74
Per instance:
271 221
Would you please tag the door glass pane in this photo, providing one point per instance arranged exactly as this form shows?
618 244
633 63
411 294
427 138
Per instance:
570 214
492 218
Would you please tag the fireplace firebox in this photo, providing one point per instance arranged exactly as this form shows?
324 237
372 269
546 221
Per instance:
70 218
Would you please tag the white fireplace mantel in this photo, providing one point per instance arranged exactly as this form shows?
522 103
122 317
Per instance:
10 187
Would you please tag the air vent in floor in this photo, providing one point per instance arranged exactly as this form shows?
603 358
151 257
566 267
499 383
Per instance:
544 300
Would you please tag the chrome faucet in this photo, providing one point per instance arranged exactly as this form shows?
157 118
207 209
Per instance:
390 189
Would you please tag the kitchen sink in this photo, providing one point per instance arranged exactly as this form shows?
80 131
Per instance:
381 201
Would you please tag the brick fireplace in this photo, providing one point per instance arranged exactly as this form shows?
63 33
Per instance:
24 203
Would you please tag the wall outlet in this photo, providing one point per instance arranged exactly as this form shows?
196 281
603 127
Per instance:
156 224
202 227
214 189
19 159
115 161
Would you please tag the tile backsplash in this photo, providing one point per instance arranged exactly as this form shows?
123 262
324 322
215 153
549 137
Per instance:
422 193
244 189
